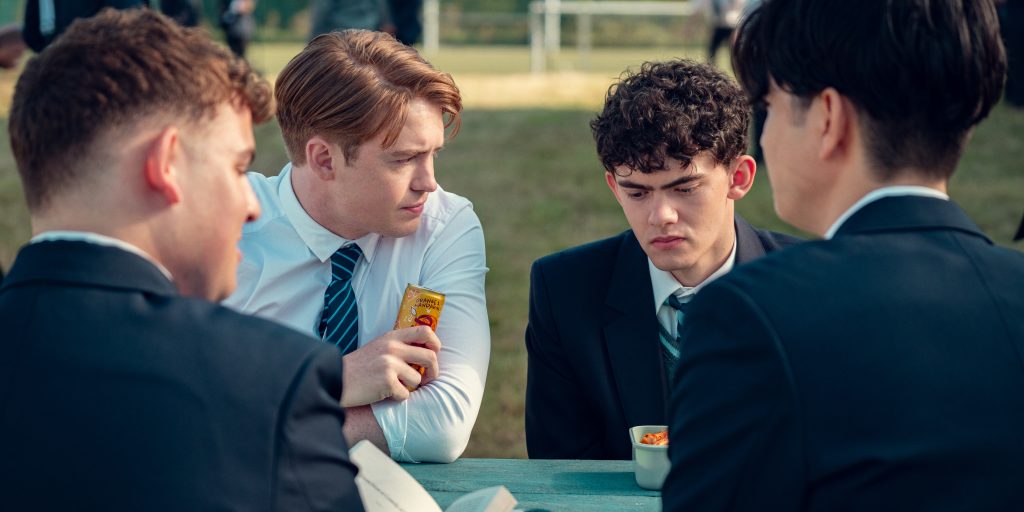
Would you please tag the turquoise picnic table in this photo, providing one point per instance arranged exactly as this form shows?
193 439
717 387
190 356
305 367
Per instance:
552 485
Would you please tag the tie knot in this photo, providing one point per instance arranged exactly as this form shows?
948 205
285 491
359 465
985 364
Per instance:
677 304
343 261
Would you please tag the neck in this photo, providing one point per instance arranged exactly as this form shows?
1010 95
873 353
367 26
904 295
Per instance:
309 190
853 186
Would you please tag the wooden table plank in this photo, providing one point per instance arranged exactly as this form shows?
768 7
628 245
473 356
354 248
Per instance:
568 502
553 485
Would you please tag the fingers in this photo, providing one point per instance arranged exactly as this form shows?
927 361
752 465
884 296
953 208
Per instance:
419 335
425 358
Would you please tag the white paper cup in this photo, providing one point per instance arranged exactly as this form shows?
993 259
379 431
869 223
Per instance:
650 462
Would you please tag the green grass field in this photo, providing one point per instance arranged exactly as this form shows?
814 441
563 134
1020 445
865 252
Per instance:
525 158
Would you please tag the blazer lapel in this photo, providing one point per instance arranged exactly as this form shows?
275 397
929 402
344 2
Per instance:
631 336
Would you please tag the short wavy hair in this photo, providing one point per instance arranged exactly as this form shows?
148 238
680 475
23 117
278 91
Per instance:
675 109
107 72
352 85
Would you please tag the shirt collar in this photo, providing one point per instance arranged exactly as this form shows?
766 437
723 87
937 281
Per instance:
320 240
878 193
664 284
98 239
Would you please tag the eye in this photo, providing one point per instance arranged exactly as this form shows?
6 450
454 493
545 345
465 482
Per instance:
686 190
639 194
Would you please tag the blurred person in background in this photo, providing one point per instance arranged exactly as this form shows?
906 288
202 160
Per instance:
185 12
125 387
12 45
1011 21
603 336
725 16
405 14
331 15
47 19
238 21
880 368
356 216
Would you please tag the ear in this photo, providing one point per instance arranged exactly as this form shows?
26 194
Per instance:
835 123
741 176
158 165
609 178
323 158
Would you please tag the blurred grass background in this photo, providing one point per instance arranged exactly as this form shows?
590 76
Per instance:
525 158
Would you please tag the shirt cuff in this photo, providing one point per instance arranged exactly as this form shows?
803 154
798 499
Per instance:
393 418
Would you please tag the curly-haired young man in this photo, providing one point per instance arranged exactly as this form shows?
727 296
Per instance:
604 317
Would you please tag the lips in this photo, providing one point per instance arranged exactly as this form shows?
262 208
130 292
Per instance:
416 208
667 242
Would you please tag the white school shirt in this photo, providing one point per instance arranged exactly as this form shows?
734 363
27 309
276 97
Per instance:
286 269
878 193
664 284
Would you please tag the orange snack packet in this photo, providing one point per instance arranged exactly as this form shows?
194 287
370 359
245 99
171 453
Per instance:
420 306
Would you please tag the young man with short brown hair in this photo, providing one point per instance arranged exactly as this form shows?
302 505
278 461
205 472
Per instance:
355 217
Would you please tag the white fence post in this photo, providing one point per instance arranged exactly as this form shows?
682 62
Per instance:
431 26
537 55
552 26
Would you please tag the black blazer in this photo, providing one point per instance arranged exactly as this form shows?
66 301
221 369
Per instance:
879 370
116 393
595 365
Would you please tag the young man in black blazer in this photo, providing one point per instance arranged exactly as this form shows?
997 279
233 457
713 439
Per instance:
880 368
603 331
123 386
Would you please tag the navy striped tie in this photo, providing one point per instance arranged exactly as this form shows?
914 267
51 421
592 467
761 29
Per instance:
670 344
339 322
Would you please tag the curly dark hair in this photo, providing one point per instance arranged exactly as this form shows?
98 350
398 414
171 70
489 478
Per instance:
675 109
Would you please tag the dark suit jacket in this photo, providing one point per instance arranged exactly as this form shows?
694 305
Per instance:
116 393
595 366
879 370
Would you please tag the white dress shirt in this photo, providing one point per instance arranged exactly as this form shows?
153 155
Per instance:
286 269
878 193
98 239
664 284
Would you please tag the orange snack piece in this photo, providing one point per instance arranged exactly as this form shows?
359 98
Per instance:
656 439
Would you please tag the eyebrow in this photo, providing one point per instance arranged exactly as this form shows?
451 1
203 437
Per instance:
403 153
671 184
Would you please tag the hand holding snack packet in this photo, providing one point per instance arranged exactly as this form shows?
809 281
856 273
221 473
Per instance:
420 306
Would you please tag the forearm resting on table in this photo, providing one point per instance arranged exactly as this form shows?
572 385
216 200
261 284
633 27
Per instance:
360 423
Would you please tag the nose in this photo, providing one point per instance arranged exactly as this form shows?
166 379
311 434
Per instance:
252 205
662 213
423 180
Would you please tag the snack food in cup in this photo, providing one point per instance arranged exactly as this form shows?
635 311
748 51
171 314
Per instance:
420 306
650 461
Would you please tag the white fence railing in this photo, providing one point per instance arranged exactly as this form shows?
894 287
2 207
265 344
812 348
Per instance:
546 22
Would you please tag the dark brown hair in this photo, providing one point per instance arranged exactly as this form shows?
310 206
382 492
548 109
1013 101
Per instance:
675 109
352 85
108 72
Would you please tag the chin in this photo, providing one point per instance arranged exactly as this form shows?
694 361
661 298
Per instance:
402 230
671 264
